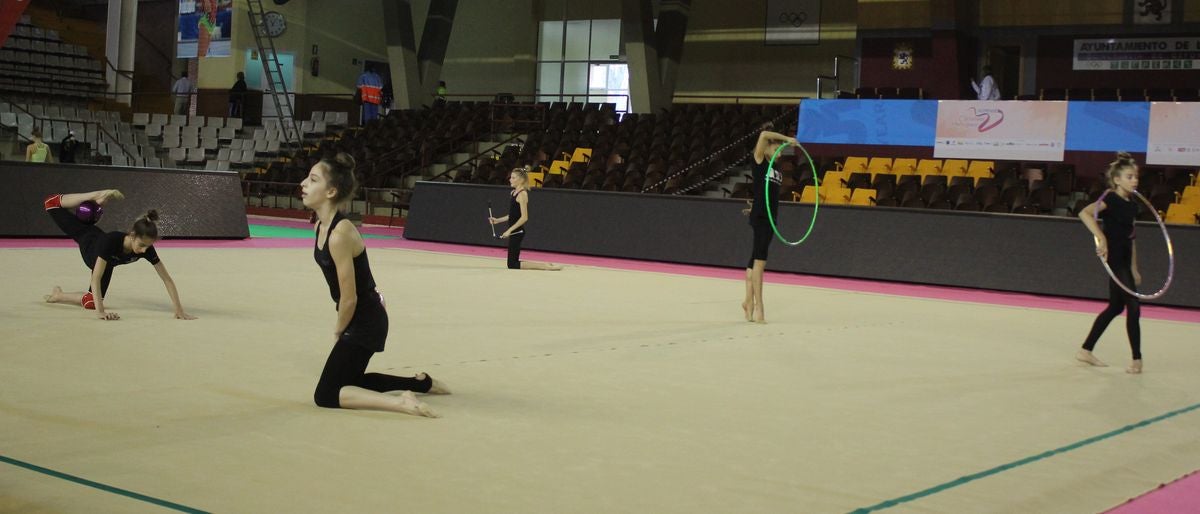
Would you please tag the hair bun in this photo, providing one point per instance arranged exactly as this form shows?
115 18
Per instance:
345 159
151 215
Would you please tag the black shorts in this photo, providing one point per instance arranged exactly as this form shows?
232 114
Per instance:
762 242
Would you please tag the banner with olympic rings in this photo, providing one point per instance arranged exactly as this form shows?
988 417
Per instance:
793 22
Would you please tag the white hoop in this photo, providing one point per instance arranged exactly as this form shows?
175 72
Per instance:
1170 252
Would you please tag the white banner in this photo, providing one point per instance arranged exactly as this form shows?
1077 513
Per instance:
968 129
1161 53
1151 12
793 22
1173 138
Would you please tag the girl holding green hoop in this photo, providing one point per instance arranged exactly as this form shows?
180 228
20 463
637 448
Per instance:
768 142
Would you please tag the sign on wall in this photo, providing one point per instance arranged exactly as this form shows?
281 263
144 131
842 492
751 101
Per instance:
1151 12
205 28
968 129
1154 53
1173 138
793 22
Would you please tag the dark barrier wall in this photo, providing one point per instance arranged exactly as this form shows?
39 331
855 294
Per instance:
1035 254
191 204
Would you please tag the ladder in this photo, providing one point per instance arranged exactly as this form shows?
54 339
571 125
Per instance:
273 73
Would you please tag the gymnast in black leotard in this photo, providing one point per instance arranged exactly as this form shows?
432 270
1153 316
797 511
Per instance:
103 251
768 142
362 322
1115 244
518 216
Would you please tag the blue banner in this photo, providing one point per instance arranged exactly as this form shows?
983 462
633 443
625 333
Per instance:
1108 126
868 122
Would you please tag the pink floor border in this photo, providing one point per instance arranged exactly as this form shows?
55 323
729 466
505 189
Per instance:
958 294
1181 496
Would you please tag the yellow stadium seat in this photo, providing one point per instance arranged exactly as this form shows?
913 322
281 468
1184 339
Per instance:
1191 194
809 195
1184 214
981 169
854 164
863 196
929 167
837 196
834 178
582 155
954 167
904 166
536 178
559 167
879 165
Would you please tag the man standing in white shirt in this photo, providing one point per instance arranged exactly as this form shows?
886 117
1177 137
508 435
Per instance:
986 88
183 88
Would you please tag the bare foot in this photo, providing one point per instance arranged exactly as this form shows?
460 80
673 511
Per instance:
747 309
1135 368
759 317
110 194
54 296
1086 356
437 388
408 403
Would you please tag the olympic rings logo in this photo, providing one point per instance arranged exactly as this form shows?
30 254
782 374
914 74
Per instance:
794 19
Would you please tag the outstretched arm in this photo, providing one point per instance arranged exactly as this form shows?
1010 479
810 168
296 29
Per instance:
97 293
174 293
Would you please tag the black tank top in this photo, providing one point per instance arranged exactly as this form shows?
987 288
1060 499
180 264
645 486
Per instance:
364 283
762 177
514 210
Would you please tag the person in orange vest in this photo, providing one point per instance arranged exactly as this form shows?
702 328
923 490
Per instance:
370 90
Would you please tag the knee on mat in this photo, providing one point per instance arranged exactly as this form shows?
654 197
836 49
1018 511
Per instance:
327 397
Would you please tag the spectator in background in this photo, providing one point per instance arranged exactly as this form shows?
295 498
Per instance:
986 88
38 150
237 96
370 93
439 99
68 147
183 89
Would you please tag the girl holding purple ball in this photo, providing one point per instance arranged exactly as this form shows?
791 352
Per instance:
76 214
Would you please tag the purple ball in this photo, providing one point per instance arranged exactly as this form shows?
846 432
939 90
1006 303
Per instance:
89 212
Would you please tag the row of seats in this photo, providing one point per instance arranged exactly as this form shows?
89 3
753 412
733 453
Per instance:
1156 94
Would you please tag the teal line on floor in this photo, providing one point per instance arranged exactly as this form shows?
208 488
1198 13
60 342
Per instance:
102 487
1027 460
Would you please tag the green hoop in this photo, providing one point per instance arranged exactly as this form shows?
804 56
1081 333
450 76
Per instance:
767 193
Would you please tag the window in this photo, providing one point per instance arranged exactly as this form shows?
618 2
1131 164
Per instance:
580 61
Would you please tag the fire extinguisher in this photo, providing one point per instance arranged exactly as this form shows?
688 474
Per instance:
316 66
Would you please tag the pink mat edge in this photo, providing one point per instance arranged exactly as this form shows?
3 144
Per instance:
935 292
1179 495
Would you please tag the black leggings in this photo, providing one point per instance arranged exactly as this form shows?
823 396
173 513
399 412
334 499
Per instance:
762 242
1119 300
85 236
514 250
345 367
